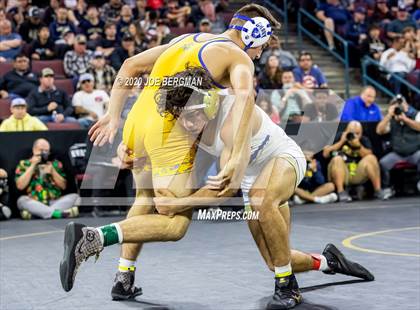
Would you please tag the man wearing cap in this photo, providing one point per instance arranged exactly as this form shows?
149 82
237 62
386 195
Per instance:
20 81
403 20
355 34
48 103
127 49
103 73
205 26
29 28
89 103
20 120
77 61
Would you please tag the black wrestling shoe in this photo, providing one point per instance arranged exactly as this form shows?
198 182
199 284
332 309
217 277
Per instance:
338 263
80 242
124 288
286 294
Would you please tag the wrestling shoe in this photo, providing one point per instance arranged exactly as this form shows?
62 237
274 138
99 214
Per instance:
383 194
5 212
124 288
286 294
25 215
344 197
330 198
80 242
298 201
338 263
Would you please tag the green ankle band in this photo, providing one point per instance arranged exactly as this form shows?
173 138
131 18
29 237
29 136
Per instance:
110 234
57 214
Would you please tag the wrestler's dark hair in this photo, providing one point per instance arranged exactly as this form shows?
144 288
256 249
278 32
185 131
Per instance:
255 10
171 99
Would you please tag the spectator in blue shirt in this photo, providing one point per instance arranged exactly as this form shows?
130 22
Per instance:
307 74
10 43
416 14
403 20
314 187
362 108
61 25
335 17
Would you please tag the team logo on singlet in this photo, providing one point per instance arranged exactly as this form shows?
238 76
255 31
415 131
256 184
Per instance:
187 46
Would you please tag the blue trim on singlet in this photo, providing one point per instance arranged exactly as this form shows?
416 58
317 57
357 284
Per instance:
203 63
196 36
259 149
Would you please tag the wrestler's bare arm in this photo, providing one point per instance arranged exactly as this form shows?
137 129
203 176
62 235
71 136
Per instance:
105 129
207 195
241 72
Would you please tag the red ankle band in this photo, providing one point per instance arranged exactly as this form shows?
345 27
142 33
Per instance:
316 259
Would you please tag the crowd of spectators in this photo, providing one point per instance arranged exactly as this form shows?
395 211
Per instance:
87 38
386 30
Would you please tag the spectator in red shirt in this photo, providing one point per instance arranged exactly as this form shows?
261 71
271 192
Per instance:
155 4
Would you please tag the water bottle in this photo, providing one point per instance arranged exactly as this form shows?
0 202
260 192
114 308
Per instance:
54 115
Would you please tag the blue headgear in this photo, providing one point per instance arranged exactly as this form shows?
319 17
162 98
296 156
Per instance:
255 32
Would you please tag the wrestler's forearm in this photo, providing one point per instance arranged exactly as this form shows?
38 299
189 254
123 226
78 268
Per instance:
242 140
206 196
203 197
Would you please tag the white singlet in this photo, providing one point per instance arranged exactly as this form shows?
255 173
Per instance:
269 142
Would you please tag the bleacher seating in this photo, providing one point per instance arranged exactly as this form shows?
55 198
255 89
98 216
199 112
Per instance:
179 31
63 126
4 108
65 85
56 65
5 67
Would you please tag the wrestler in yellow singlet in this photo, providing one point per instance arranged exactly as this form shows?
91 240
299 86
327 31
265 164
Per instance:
169 147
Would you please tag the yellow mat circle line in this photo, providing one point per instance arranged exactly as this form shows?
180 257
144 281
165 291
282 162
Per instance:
348 242
31 235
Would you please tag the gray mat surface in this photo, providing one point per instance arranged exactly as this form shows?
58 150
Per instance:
217 265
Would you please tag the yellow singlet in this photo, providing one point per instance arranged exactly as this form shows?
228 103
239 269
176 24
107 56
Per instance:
170 148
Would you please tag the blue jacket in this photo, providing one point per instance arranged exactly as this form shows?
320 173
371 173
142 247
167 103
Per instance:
354 31
356 110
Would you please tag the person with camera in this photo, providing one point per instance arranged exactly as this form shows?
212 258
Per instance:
402 122
314 187
353 163
5 211
43 180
